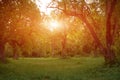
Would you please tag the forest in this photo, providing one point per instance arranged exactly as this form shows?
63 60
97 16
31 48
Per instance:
58 31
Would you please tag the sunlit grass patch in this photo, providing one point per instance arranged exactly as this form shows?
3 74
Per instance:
58 69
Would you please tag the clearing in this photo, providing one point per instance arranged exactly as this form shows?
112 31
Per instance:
84 68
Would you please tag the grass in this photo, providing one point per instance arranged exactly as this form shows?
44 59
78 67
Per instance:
58 69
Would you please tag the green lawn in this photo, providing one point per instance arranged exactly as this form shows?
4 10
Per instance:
58 69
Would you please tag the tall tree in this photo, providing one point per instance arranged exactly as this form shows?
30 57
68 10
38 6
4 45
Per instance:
18 20
85 11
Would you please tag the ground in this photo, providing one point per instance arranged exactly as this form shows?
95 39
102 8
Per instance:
83 68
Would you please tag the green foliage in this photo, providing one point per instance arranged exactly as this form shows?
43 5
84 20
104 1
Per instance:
22 27
19 24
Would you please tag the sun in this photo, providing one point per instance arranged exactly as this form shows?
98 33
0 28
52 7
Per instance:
53 25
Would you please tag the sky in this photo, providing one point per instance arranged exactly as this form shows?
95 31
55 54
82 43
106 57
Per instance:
42 5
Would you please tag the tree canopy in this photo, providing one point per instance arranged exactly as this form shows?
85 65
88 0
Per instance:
72 28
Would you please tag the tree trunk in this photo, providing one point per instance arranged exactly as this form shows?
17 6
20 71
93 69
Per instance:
108 53
14 45
63 53
15 54
2 55
110 57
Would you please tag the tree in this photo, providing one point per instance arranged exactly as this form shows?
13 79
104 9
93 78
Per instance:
85 12
19 19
